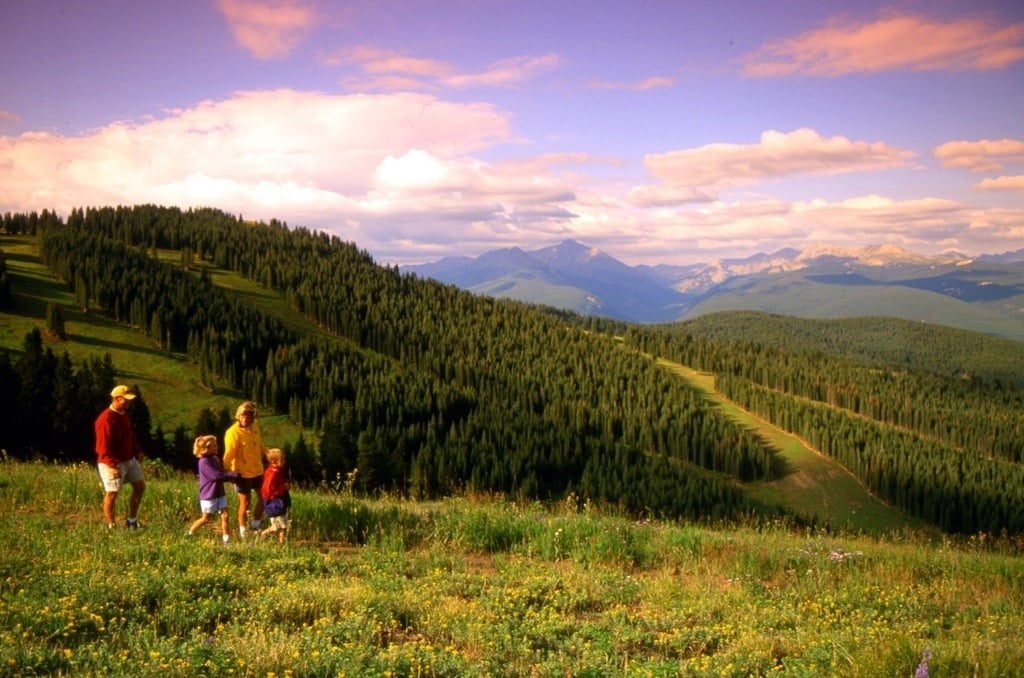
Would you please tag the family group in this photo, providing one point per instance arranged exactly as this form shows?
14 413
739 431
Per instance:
258 473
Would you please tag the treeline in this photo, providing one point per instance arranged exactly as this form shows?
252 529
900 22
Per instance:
980 416
874 341
947 450
424 388
48 405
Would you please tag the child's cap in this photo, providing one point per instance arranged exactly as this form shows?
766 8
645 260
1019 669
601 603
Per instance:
204 445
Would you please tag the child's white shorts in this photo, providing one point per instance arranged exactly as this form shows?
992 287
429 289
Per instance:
213 506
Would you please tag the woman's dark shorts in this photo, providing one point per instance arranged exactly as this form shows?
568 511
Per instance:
247 485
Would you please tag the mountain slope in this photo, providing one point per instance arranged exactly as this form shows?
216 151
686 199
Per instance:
570 276
984 295
804 295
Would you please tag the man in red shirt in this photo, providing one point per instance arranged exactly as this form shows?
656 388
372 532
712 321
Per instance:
118 455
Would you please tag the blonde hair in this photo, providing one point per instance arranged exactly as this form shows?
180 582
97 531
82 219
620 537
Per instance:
204 445
247 406
275 455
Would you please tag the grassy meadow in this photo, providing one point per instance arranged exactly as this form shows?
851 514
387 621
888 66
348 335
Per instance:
483 587
475 586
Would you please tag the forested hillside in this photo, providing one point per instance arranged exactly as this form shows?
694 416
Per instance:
945 449
425 389
874 341
429 390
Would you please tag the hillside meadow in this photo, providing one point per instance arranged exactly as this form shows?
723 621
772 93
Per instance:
482 586
474 585
170 382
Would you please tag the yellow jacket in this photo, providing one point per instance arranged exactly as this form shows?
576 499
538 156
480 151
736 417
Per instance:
244 451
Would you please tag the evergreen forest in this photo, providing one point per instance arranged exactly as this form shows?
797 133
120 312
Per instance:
428 390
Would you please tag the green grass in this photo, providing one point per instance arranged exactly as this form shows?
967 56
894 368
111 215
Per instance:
480 586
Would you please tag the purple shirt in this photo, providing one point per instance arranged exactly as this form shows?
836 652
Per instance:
212 476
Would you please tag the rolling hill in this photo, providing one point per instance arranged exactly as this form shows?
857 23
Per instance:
429 390
174 390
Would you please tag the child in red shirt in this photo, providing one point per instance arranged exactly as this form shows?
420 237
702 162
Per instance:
276 497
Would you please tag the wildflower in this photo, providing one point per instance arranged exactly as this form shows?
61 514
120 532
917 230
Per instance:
922 668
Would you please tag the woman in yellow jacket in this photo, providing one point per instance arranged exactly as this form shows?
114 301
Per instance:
243 454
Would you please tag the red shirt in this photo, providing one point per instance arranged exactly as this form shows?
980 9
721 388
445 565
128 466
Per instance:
115 438
275 484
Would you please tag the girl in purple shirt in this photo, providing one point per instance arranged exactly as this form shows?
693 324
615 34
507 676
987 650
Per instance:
212 475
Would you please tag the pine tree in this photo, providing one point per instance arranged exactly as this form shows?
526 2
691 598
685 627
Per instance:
55 321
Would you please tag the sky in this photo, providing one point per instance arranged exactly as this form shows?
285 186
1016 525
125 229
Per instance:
658 131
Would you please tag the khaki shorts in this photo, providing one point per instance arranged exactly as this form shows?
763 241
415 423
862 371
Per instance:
279 523
130 472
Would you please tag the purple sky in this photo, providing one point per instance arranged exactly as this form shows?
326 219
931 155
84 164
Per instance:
658 131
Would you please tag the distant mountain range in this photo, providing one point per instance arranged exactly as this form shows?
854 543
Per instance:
984 294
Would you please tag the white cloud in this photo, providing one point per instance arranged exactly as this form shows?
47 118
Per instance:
249 138
666 195
384 166
739 228
404 176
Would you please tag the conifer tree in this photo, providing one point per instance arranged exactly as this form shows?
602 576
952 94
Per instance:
55 321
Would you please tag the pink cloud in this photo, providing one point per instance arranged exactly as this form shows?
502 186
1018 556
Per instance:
894 42
986 155
1014 183
245 149
9 118
268 28
653 82
391 71
507 72
376 61
664 195
777 154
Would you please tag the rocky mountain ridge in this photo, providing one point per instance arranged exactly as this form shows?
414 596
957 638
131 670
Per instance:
819 281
